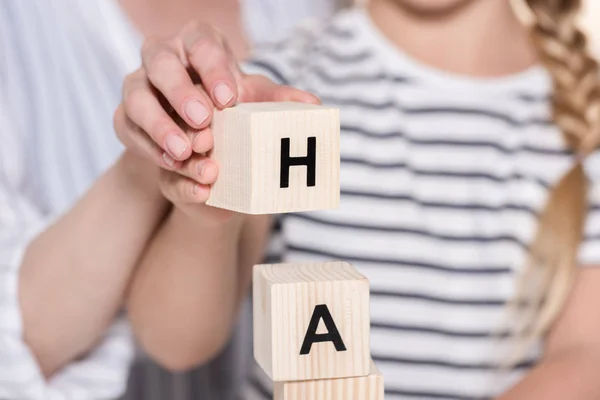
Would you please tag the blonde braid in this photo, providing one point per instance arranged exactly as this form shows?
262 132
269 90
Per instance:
552 262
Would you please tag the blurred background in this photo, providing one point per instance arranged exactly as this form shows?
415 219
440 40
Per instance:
591 20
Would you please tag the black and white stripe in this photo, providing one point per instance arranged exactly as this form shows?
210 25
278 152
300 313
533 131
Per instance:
442 180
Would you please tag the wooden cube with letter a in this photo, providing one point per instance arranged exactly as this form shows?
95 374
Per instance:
311 321
368 387
276 158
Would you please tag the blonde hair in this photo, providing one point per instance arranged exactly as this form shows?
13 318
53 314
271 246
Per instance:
552 262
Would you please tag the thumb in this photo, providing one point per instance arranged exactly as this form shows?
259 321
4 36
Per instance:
258 88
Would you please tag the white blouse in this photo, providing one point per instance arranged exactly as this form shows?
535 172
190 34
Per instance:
62 63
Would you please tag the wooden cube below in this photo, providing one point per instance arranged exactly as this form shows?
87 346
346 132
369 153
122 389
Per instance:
311 321
369 387
276 158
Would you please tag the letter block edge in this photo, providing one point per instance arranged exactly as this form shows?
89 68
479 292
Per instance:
231 151
285 299
369 387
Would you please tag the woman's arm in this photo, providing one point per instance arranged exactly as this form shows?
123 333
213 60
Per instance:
571 364
186 294
74 274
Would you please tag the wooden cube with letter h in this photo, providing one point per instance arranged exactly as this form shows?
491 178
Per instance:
276 158
311 321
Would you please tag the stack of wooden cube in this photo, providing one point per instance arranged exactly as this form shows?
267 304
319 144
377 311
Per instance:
311 321
311 332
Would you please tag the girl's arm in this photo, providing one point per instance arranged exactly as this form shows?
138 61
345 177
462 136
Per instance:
190 283
74 274
185 296
569 369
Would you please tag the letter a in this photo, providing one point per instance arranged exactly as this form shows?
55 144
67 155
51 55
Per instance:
332 335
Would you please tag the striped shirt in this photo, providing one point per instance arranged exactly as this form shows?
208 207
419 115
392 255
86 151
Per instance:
62 63
442 177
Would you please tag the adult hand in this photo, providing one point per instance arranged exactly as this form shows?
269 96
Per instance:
168 104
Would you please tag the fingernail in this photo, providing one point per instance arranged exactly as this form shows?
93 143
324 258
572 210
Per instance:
196 111
168 160
200 167
195 140
223 94
175 145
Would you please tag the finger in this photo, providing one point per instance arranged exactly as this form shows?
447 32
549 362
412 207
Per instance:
179 189
260 88
170 77
201 169
193 134
209 55
144 109
139 142
202 141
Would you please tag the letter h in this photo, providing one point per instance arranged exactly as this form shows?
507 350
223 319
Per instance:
287 161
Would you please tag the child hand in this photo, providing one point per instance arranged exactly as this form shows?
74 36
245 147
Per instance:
188 189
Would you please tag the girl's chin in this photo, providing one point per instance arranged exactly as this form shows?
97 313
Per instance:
433 7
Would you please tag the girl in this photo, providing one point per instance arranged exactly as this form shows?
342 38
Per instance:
469 189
